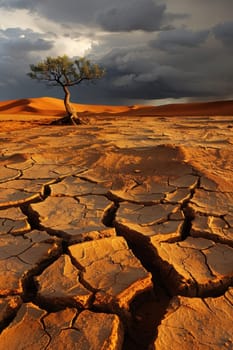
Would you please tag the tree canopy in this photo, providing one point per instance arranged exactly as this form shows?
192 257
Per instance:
66 72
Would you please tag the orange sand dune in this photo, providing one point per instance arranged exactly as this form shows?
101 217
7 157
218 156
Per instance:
53 106
217 108
34 111
48 106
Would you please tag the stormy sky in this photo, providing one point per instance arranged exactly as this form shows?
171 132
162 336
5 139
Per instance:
154 51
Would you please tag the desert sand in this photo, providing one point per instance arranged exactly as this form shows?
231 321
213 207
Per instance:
116 234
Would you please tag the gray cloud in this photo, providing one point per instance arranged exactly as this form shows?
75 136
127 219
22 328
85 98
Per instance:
110 15
224 32
176 39
196 71
16 40
17 4
18 48
151 49
133 15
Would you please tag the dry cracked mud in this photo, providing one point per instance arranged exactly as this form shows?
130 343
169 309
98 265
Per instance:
117 235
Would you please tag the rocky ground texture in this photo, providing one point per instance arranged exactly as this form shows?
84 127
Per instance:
117 234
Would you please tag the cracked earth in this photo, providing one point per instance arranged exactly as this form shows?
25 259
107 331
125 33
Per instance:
117 235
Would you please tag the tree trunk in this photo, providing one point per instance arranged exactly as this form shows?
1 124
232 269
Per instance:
72 117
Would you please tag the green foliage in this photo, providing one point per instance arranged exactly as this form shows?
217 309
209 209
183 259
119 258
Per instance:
64 71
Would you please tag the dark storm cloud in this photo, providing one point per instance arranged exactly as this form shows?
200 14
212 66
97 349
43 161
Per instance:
65 12
18 47
176 39
146 73
151 49
133 15
18 4
110 15
224 32
19 40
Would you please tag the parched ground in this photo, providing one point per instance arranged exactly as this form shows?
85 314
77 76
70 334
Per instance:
117 234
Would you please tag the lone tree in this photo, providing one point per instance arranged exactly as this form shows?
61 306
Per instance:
65 72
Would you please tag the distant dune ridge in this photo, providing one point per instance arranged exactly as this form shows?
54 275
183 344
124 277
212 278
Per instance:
54 107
